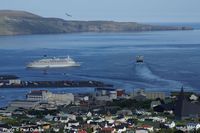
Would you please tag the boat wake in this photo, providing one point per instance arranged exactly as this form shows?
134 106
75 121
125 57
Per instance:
144 72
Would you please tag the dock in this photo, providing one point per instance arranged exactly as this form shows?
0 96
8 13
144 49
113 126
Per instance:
53 84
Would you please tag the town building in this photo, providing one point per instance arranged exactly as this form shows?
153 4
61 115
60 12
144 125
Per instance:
60 99
37 95
24 104
106 94
185 108
142 94
44 95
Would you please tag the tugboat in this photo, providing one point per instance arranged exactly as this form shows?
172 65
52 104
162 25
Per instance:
139 59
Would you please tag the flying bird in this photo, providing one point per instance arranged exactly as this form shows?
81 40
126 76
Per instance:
68 15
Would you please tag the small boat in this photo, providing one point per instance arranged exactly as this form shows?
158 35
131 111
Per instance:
139 59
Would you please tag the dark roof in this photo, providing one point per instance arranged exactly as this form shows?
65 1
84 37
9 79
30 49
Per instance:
119 126
36 92
8 77
72 121
24 101
105 88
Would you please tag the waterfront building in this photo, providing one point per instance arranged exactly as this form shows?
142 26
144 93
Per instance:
148 95
60 99
102 91
37 95
44 95
155 95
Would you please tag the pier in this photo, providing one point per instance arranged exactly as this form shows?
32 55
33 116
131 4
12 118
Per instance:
15 82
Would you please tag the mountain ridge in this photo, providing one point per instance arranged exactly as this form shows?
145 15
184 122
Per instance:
24 23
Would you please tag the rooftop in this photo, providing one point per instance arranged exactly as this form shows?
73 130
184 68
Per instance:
105 88
37 92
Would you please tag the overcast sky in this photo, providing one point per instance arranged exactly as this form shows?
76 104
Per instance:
118 10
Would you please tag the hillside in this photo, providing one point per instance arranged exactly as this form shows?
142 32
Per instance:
22 23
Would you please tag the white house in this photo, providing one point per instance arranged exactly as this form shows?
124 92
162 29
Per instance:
64 119
141 131
193 97
73 123
170 125
158 119
193 126
121 130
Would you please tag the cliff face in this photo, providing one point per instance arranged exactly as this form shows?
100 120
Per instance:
20 22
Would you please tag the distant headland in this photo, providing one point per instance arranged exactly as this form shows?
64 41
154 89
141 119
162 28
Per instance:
24 23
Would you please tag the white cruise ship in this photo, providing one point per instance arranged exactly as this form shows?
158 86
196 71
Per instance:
53 63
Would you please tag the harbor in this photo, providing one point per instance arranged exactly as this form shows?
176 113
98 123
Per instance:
99 66
12 81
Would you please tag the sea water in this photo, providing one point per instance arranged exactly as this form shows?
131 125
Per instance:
171 60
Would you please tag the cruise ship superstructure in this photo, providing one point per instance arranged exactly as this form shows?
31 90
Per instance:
53 63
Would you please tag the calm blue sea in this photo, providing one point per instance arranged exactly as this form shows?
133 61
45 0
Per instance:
172 59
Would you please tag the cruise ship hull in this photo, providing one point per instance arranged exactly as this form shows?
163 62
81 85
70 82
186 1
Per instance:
52 65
